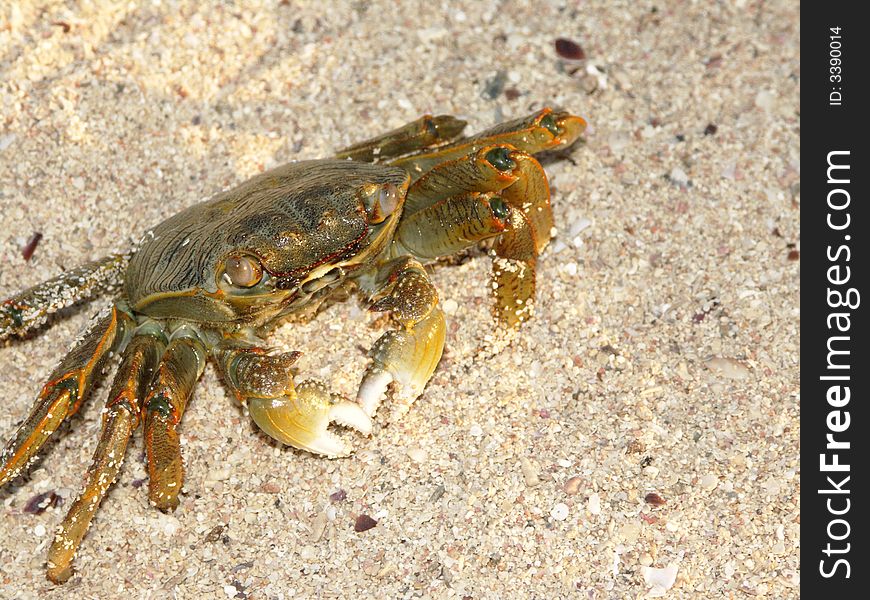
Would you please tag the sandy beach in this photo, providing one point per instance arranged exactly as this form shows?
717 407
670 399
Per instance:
641 437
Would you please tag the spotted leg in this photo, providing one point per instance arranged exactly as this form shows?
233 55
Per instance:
543 130
296 416
425 132
31 308
515 252
120 418
164 405
66 389
495 191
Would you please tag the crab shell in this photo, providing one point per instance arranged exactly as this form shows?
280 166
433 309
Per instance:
298 222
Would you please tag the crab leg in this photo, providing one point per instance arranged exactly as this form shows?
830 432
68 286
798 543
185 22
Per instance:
515 251
489 169
452 225
120 418
425 132
66 389
513 267
406 356
182 364
519 216
540 131
298 417
32 307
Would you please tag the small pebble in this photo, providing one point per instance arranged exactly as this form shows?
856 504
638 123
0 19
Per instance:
30 247
169 524
6 141
559 512
318 526
728 367
41 502
630 532
418 455
475 431
216 475
449 306
651 471
765 100
569 49
659 580
364 523
578 226
594 504
709 481
531 472
679 176
654 499
572 485
39 530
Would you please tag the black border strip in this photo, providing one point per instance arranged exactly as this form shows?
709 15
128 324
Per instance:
834 369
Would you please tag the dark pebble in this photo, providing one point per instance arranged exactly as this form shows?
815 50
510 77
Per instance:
40 503
363 523
569 49
654 499
30 246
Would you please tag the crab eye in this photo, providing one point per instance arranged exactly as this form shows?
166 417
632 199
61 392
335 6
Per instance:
499 208
242 271
385 199
548 122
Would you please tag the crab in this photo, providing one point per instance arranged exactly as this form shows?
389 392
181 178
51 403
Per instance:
213 280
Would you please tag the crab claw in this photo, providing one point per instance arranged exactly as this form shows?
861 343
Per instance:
406 357
301 419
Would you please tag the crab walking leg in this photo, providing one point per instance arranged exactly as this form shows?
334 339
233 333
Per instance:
298 417
182 364
520 212
513 268
32 307
425 132
515 252
489 169
452 225
406 356
120 419
540 131
66 389
531 194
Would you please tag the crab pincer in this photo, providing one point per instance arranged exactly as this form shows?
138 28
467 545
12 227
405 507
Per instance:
296 416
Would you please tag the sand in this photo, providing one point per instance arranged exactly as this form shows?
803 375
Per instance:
663 358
